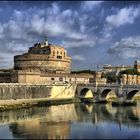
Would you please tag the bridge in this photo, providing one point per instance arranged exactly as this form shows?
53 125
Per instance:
124 93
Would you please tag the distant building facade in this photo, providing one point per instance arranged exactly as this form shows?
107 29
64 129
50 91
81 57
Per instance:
132 79
114 70
137 65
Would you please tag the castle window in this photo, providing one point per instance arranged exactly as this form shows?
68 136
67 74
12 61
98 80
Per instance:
59 57
52 78
61 79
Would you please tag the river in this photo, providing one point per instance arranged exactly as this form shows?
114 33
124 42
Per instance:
72 121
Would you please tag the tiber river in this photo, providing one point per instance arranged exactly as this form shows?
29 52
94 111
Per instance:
72 121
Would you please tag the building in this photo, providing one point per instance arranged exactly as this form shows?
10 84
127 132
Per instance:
44 57
137 65
114 69
132 79
45 63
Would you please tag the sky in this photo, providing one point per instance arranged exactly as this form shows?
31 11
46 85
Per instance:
93 32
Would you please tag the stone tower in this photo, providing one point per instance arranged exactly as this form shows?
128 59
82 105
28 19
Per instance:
137 65
44 57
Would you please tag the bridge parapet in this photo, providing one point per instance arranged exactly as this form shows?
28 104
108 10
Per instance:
131 86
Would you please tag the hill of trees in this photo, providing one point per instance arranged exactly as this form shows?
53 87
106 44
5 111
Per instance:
83 71
130 71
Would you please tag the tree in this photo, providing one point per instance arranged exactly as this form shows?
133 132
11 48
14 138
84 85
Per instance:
130 71
109 77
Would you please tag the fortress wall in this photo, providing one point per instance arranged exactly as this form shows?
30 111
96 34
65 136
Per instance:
63 91
25 77
22 91
30 91
43 64
37 77
29 79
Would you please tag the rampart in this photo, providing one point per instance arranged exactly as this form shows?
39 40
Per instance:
15 91
23 91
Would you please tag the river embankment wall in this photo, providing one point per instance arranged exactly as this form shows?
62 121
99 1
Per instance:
15 91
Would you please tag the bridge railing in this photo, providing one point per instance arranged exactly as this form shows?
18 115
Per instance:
133 86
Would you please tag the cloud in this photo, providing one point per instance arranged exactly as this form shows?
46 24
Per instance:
37 24
78 43
106 34
126 48
89 5
1 9
124 16
78 57
63 24
17 47
5 60
55 8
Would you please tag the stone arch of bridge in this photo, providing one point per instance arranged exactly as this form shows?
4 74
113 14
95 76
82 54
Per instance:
131 94
86 93
106 92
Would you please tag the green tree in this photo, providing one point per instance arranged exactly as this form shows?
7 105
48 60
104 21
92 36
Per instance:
130 71
110 78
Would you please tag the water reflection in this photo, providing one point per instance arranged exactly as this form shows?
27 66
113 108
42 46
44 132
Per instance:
54 124
73 121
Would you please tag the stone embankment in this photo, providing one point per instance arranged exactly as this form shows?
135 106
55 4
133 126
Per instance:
27 103
15 95
15 91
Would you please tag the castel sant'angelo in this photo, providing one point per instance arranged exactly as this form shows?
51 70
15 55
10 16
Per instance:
44 57
45 63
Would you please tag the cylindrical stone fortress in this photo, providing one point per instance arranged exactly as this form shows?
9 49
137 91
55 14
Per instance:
44 57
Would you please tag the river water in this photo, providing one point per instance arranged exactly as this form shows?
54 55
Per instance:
72 121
